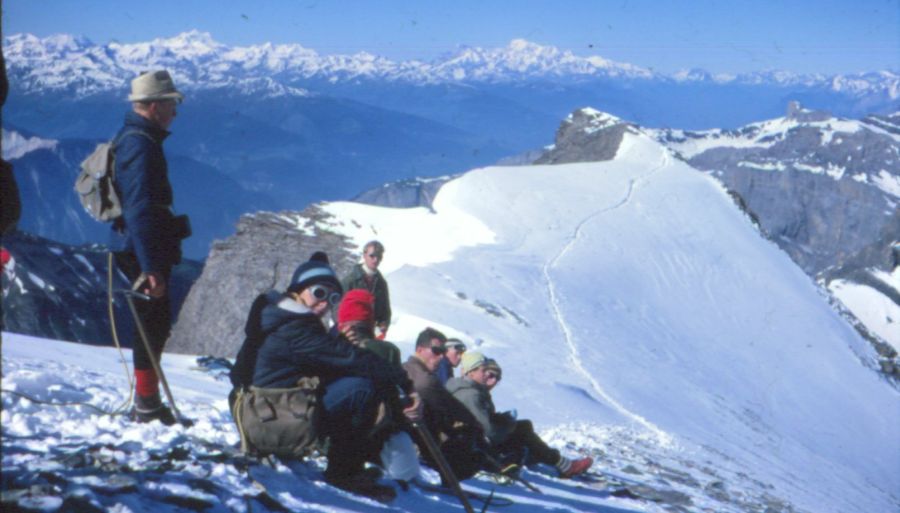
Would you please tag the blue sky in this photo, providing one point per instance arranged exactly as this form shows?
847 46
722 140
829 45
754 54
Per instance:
824 36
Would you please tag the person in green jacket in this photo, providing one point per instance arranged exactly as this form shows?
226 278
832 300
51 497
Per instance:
366 276
511 440
356 322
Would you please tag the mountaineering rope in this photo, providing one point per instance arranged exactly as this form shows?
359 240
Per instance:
633 184
121 409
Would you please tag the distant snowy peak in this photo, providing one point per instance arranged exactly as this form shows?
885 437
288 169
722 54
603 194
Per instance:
65 62
524 58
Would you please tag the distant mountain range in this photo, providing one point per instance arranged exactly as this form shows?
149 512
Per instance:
272 127
64 62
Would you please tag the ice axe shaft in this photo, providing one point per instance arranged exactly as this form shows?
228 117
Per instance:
129 295
443 466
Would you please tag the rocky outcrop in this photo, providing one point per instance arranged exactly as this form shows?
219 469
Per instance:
261 255
586 135
829 205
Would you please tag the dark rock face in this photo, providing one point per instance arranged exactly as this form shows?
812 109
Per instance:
262 255
815 194
58 291
586 135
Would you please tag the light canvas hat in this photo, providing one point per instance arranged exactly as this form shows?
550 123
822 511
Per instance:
154 86
471 360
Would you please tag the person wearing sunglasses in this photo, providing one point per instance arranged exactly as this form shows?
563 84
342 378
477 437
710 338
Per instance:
512 442
446 419
366 276
455 349
287 343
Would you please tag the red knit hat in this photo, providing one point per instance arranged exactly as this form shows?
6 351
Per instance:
357 305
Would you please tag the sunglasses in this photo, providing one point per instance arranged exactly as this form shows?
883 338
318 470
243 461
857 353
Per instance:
492 375
438 350
323 293
374 256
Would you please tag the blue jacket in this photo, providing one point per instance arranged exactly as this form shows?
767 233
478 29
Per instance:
296 345
142 180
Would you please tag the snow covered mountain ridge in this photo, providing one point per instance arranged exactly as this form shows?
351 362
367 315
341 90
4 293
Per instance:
63 61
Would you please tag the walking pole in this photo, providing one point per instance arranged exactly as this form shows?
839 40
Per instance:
443 466
156 368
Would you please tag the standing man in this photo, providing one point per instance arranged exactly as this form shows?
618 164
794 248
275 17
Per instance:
455 349
147 237
446 419
366 276
511 440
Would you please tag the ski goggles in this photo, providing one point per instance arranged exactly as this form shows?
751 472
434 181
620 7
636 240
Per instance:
323 293
438 350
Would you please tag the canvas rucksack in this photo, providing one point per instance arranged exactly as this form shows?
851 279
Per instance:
95 184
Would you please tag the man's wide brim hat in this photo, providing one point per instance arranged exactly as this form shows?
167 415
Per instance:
154 86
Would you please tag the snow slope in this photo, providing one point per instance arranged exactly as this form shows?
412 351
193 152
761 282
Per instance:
638 317
639 295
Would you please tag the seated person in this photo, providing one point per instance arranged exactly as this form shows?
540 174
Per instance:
287 348
455 349
511 440
356 323
451 425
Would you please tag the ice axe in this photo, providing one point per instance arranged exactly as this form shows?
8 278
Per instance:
435 451
129 298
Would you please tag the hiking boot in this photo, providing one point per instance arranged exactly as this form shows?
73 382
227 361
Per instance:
363 484
571 468
148 409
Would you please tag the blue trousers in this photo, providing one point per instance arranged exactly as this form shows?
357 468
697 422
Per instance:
349 406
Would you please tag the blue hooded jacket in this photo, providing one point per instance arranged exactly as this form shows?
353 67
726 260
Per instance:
296 345
146 227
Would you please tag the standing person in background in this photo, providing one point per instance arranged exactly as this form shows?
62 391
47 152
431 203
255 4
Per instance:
366 276
511 441
146 239
455 349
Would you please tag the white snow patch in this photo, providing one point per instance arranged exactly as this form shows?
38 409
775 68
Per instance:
888 183
877 311
15 145
764 166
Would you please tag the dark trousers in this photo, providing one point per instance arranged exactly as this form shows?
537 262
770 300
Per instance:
461 448
523 445
155 315
349 405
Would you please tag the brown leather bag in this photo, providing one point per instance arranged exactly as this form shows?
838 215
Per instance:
284 422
